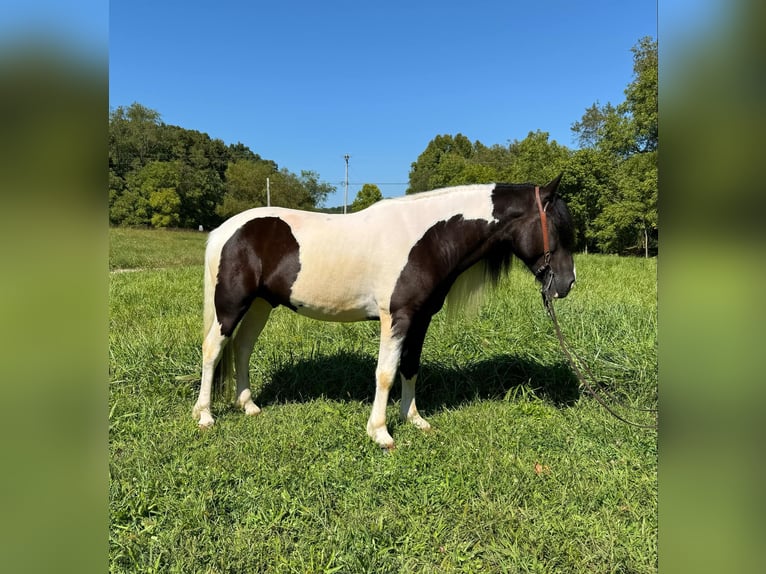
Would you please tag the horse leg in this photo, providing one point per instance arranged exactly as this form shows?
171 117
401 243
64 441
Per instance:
244 340
212 347
388 363
408 369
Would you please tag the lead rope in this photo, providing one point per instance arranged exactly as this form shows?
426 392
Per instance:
548 303
583 381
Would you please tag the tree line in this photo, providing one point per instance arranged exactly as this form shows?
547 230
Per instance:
167 176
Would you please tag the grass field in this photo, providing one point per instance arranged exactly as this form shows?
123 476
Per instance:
521 474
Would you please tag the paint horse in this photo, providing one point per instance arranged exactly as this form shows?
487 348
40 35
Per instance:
395 262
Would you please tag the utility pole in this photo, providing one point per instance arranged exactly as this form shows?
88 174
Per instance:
345 198
268 193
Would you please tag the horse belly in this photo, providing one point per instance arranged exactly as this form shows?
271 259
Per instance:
335 291
333 297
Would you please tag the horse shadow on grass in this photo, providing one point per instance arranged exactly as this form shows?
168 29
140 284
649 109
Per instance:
351 377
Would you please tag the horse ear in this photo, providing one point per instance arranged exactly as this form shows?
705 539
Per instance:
548 191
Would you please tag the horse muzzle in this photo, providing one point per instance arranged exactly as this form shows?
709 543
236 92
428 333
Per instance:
553 286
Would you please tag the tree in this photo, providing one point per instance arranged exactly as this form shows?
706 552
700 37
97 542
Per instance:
245 186
151 191
597 126
317 190
534 158
440 162
589 175
641 96
369 194
629 216
133 137
209 181
449 160
165 204
625 138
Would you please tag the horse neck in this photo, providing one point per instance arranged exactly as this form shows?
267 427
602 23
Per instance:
470 201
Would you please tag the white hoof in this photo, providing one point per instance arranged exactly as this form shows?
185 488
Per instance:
420 422
381 437
203 417
251 409
206 423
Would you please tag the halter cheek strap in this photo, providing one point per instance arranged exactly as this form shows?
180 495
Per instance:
544 223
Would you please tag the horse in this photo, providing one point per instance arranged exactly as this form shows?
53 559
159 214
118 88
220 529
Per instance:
395 262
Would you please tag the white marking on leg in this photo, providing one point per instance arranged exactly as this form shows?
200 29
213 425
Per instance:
247 334
388 364
409 412
211 353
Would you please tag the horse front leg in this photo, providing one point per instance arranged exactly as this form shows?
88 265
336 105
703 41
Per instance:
409 412
385 373
409 367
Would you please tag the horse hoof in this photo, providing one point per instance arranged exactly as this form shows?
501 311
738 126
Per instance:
205 423
252 410
421 423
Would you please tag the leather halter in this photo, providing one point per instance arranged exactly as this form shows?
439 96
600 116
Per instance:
544 223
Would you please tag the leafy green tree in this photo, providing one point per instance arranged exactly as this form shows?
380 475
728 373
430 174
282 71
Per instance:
165 204
245 186
589 175
317 190
133 137
130 208
154 188
535 159
626 138
449 160
200 191
641 96
440 162
629 215
598 128
369 194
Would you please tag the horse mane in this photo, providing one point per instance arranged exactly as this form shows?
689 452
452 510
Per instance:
559 214
468 292
426 195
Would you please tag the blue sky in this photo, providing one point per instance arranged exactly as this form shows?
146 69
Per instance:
303 83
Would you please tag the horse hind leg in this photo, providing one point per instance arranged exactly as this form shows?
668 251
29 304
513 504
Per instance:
212 349
244 340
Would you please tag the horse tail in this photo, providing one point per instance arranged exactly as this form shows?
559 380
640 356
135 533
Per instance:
223 378
224 370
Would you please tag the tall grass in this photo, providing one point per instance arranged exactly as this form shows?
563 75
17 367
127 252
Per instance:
521 474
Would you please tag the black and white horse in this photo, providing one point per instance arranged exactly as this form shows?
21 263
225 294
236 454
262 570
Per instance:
395 262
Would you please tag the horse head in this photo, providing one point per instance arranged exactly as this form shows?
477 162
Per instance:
542 236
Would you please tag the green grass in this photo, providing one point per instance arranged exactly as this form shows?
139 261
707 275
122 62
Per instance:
141 248
521 474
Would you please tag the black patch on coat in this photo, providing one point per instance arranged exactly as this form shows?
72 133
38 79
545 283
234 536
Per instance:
509 200
261 259
445 250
